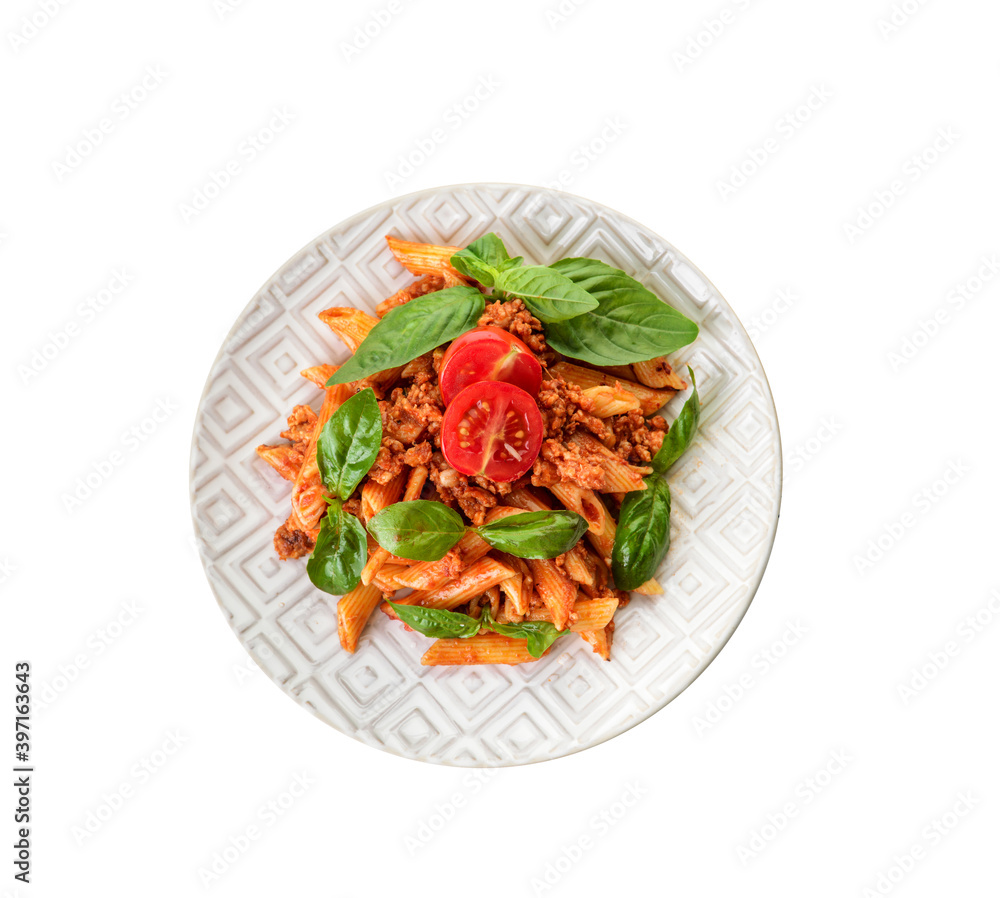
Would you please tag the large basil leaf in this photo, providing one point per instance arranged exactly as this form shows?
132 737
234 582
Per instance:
539 634
629 324
537 534
436 622
681 432
341 552
550 295
349 442
419 530
643 534
412 329
482 259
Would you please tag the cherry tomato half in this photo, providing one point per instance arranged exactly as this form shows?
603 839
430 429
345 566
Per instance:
488 353
494 429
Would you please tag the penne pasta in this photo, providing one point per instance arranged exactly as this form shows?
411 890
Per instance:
501 511
428 284
650 399
415 483
492 597
657 373
588 614
320 374
424 258
622 372
515 602
584 502
483 648
472 582
429 575
353 611
555 589
308 493
350 324
598 640
579 565
619 475
286 460
611 400
649 588
376 496
527 500
602 538
385 579
603 541
376 558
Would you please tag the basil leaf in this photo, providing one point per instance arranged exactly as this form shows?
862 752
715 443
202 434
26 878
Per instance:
549 295
537 534
630 323
540 634
412 329
681 432
349 442
436 622
643 534
482 259
341 552
419 530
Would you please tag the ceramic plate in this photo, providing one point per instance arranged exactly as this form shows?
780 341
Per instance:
726 494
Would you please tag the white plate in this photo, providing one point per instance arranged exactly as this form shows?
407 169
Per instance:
726 494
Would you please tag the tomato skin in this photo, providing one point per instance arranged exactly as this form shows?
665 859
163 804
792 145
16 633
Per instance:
488 353
493 429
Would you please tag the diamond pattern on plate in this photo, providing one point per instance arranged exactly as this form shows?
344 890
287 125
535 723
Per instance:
726 497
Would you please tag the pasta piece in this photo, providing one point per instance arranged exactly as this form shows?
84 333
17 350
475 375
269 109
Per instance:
579 566
429 575
428 284
320 374
501 511
483 648
658 373
608 401
619 475
350 324
599 642
286 460
515 604
528 500
602 538
492 596
622 372
649 588
353 611
472 582
651 400
424 258
588 614
308 493
556 590
376 559
603 541
519 604
386 580
376 496
415 483
584 502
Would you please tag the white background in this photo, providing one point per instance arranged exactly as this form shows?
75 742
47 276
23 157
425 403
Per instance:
864 434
